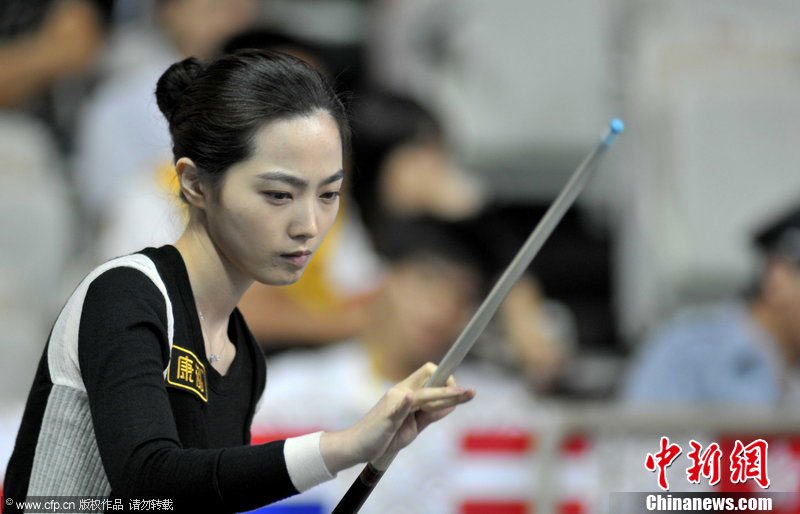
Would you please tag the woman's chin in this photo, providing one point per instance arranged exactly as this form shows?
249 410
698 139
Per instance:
279 279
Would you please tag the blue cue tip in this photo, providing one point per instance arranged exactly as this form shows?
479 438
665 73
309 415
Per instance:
615 128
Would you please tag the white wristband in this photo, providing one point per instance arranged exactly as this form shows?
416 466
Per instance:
304 461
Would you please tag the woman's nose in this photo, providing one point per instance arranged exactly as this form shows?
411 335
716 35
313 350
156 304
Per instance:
304 225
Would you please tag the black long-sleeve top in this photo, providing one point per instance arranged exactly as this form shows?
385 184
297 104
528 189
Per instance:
126 405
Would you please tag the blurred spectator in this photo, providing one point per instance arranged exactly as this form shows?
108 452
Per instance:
123 155
41 43
432 285
44 41
737 352
47 57
403 169
402 164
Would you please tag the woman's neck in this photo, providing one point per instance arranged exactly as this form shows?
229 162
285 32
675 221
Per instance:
216 284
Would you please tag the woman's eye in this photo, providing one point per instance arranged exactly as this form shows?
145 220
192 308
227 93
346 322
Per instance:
330 195
278 196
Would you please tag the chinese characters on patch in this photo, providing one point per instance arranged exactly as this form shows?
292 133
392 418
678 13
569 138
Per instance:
746 462
186 369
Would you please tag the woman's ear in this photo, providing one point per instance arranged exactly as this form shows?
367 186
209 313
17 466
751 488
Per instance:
192 188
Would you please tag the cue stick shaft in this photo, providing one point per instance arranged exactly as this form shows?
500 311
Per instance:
373 471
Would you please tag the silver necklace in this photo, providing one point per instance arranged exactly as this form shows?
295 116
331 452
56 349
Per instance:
212 357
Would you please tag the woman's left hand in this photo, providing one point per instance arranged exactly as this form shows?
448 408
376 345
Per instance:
394 422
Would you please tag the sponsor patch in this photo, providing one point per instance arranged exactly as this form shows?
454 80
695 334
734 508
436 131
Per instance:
187 372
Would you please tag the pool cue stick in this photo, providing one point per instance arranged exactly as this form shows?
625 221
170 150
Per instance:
362 487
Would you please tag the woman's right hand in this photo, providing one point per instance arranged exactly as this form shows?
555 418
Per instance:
394 422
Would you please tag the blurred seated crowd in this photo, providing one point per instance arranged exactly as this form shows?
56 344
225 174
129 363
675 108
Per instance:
86 176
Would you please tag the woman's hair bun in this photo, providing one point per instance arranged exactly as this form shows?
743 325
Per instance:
173 83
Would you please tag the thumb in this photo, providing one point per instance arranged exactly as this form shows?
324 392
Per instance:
417 379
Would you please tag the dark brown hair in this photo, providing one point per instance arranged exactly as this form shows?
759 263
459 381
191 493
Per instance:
215 108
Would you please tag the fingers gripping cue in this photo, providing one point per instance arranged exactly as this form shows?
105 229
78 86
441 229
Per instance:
369 477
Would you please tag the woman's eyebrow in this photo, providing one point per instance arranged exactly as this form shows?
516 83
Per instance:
283 177
339 175
295 181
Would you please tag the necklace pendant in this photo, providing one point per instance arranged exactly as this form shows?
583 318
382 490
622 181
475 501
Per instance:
213 358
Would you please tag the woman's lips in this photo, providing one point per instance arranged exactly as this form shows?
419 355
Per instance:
299 259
